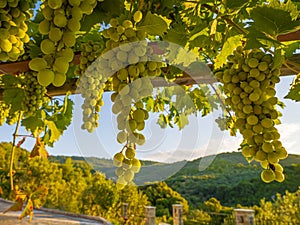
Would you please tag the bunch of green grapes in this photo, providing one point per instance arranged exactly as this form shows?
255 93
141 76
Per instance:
4 111
13 28
59 26
91 84
12 117
34 93
127 165
90 51
249 83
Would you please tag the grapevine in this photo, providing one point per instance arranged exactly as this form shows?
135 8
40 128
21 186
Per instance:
249 83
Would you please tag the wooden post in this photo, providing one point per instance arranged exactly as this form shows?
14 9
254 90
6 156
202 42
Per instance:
244 216
177 214
150 215
124 211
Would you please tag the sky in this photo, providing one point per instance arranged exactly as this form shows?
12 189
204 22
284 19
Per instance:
200 138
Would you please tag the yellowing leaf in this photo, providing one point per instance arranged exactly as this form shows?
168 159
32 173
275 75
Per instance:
228 48
54 132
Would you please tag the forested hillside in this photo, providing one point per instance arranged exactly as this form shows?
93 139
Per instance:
230 178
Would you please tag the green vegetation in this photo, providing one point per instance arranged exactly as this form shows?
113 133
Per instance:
73 185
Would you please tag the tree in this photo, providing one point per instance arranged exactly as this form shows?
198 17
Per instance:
245 43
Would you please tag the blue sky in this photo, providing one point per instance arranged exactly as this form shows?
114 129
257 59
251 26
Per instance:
201 137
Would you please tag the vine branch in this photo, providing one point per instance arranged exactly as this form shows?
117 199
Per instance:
15 135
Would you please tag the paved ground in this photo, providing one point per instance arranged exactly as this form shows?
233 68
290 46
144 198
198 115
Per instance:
47 217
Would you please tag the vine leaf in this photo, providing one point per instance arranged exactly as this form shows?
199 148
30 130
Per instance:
15 98
273 21
294 92
278 58
53 132
177 35
153 24
228 48
34 123
10 80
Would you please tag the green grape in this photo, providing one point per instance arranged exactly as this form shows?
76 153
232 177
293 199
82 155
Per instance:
268 175
137 16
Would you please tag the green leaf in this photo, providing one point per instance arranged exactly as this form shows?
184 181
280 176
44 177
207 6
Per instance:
9 80
234 4
153 24
294 92
53 131
64 119
273 21
177 35
88 21
278 59
228 48
290 48
15 98
35 122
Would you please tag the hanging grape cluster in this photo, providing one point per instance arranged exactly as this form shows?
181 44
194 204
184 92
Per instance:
13 28
59 26
249 83
91 85
34 93
127 165
4 111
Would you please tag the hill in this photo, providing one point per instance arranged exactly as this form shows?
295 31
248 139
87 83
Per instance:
227 176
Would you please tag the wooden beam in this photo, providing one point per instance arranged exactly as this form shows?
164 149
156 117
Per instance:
17 67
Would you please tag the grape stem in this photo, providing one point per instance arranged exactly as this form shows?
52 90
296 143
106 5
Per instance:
286 64
15 135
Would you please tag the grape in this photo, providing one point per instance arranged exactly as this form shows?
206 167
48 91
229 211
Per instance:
249 83
37 64
137 16
45 77
268 175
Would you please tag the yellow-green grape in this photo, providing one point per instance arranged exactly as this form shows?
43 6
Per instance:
45 77
268 175
249 83
54 4
60 20
118 159
37 64
47 46
44 27
55 34
137 16
130 153
59 79
136 165
61 65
